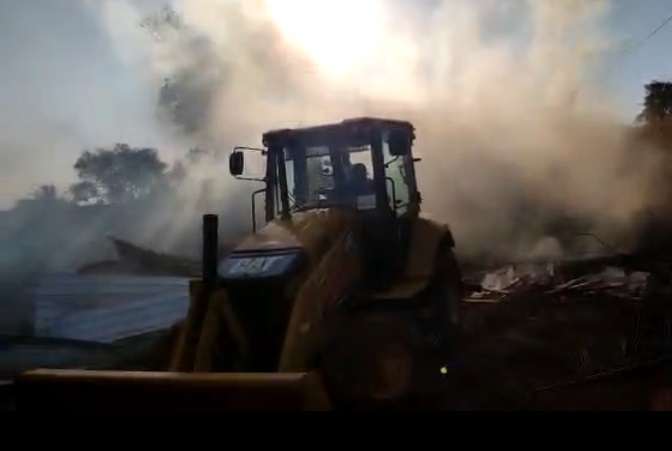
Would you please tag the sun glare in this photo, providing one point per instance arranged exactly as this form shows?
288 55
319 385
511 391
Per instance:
339 35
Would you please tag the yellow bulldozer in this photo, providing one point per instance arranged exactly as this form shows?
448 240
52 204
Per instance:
346 297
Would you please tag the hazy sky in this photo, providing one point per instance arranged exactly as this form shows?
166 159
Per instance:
634 20
64 87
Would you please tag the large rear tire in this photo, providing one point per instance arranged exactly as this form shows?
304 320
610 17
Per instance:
445 293
368 360
374 360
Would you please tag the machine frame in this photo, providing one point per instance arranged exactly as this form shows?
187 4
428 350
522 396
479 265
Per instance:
365 295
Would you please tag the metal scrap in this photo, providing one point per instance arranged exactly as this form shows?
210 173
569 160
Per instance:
551 278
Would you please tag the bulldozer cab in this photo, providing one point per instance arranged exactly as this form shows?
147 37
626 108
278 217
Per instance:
364 165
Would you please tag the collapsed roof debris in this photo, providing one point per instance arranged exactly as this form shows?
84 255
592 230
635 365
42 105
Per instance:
136 260
549 278
530 325
536 324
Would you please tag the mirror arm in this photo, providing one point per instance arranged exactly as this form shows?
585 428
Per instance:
253 149
250 179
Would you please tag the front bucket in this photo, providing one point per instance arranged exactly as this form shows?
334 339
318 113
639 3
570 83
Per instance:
123 391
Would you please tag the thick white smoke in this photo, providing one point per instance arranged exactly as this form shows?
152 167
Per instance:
513 127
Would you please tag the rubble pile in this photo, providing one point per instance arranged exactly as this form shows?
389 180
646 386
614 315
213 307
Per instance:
550 279
530 325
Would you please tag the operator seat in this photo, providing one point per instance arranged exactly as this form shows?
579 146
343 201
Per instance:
360 183
372 230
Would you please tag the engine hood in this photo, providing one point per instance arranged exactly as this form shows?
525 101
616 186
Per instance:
282 244
312 231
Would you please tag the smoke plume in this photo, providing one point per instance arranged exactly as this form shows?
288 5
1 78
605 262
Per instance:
514 129
515 132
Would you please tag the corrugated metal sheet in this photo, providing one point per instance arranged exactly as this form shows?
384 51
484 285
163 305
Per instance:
16 314
105 309
16 357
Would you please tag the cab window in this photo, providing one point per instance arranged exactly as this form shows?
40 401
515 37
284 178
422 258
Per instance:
398 190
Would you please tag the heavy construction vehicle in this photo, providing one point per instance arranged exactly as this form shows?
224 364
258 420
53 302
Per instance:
347 297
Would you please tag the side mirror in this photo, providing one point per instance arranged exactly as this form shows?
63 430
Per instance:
236 163
399 143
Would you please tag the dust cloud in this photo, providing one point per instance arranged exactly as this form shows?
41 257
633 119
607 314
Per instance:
518 138
516 135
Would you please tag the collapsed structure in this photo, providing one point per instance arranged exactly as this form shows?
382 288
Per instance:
538 327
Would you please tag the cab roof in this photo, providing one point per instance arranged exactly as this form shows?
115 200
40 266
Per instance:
320 134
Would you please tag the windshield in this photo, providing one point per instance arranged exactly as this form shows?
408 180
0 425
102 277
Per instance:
321 176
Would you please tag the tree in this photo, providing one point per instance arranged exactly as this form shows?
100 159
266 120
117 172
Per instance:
162 23
85 192
45 192
657 102
655 120
117 175
202 72
43 199
185 98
